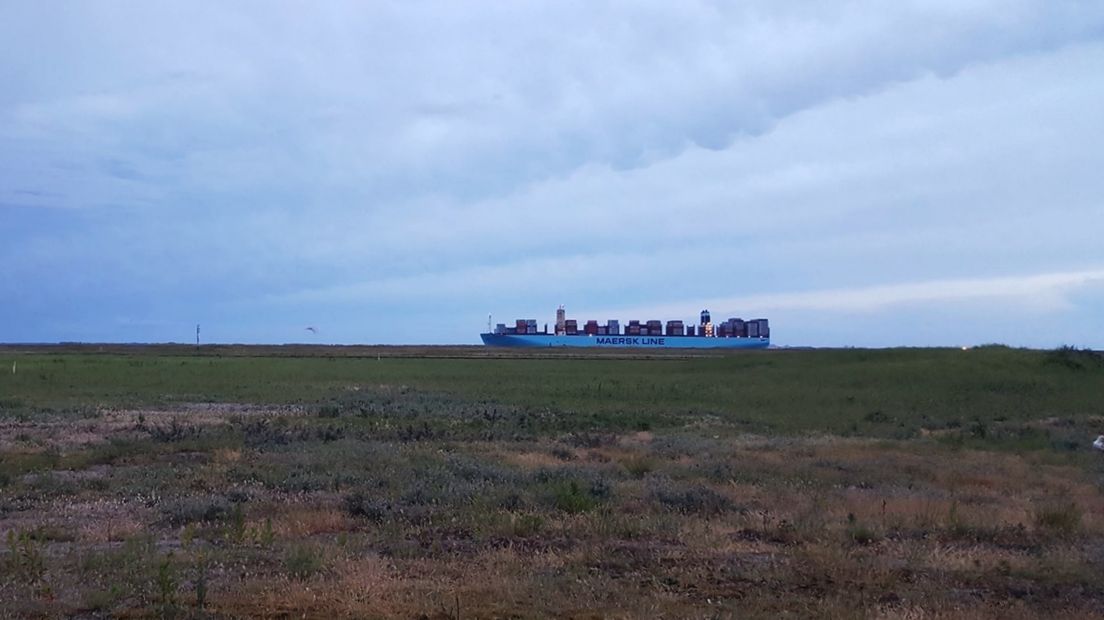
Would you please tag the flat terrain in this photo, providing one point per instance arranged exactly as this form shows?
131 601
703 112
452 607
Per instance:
166 481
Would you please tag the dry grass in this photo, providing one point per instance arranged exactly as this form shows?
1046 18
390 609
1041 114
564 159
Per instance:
301 521
637 524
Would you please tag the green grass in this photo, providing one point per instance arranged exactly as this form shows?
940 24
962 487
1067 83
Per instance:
973 394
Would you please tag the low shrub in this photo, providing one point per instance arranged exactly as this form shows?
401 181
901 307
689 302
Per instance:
360 504
695 499
583 439
1075 359
196 509
174 432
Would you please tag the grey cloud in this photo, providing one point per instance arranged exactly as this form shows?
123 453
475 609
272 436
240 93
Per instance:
325 153
531 93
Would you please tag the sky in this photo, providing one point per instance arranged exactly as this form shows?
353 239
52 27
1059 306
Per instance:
862 173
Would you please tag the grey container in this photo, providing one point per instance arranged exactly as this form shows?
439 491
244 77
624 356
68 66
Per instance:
764 328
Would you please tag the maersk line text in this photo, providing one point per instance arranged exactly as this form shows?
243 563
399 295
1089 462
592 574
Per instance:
646 342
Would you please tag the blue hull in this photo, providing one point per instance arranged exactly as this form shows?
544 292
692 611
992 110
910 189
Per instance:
622 342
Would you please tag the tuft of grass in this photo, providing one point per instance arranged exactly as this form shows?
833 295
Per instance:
25 559
860 533
1058 516
570 497
526 525
167 587
200 582
638 466
99 600
303 561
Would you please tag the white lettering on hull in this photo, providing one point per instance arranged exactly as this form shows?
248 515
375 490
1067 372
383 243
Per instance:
633 341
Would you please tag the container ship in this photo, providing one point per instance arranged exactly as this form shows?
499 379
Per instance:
730 334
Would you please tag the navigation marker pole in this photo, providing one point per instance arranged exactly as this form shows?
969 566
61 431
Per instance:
197 334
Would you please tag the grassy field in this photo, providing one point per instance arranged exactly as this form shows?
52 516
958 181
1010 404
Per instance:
464 482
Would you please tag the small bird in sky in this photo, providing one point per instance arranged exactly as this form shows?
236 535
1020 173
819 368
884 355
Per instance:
313 330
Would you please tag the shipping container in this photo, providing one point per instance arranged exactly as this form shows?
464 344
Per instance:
753 329
764 328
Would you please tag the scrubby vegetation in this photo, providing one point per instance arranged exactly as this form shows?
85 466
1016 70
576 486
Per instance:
908 483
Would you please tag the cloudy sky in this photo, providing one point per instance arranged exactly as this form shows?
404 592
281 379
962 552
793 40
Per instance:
862 173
